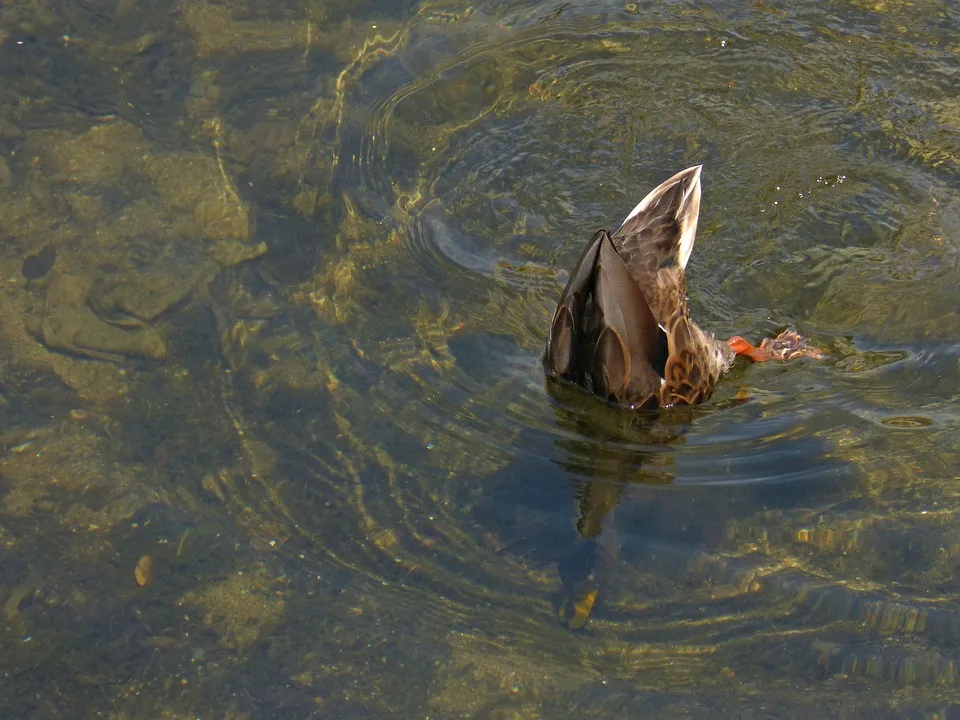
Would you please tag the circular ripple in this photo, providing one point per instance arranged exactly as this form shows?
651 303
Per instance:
474 158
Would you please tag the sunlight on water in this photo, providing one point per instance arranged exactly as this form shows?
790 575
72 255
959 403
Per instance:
304 266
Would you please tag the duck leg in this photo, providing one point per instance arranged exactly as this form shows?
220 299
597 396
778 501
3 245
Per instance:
785 346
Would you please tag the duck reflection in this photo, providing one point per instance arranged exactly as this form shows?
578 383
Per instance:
606 449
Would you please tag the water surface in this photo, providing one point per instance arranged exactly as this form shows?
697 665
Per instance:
275 285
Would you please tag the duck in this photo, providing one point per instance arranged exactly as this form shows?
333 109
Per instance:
622 329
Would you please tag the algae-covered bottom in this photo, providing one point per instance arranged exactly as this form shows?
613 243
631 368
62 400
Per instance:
274 435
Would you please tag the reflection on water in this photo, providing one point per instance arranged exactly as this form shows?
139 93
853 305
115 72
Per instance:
275 285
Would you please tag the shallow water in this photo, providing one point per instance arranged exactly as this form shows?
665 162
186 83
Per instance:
298 267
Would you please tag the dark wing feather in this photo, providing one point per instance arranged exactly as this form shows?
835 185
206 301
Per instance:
610 365
630 337
566 338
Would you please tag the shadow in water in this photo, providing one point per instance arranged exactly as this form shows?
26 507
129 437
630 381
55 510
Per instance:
606 448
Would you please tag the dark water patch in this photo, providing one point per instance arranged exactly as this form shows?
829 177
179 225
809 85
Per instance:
294 242
39 264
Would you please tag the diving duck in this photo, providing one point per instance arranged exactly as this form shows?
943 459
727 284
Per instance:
622 329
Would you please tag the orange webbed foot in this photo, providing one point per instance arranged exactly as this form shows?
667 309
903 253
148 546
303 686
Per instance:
786 346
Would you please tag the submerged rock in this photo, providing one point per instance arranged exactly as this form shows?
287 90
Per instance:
70 324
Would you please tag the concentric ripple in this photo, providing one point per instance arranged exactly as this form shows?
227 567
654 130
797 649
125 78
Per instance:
476 150
490 151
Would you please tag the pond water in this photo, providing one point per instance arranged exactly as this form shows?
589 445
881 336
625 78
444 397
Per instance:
275 439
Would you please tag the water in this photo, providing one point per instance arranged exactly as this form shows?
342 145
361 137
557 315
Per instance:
297 269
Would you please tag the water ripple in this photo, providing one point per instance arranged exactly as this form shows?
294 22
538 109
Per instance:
474 158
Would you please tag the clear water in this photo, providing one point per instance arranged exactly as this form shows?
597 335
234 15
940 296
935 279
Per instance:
358 493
